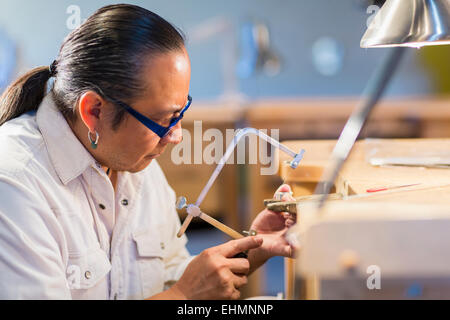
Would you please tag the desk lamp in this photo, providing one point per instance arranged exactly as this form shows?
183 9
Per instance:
398 24
410 23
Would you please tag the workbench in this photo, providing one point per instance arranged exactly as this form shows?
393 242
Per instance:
238 195
358 175
428 196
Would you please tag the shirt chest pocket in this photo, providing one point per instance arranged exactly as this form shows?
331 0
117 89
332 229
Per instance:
87 275
78 229
150 261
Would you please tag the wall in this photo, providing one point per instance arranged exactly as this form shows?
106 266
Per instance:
40 26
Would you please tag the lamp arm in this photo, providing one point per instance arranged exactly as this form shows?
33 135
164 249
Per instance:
372 94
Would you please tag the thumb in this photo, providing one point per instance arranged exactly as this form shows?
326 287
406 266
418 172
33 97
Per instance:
288 251
282 189
232 248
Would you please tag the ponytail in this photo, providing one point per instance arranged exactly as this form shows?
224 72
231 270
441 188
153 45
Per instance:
24 95
105 55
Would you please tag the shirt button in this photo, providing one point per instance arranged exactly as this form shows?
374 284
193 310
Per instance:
87 275
102 206
124 202
162 245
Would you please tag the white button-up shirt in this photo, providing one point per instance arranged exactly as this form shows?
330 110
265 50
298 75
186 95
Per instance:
65 233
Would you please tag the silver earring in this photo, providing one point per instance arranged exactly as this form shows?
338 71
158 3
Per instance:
94 144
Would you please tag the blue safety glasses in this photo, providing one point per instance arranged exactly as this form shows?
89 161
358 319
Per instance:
152 125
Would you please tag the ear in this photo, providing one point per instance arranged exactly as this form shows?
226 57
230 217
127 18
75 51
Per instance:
90 107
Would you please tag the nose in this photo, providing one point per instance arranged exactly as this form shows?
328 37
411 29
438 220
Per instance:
175 135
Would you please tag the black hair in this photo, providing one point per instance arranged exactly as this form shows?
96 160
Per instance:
105 54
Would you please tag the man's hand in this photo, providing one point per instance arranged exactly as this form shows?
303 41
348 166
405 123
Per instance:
215 274
272 226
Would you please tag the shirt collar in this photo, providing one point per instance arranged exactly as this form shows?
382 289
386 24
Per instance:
69 157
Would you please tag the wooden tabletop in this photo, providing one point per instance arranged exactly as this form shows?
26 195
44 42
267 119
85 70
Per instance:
358 175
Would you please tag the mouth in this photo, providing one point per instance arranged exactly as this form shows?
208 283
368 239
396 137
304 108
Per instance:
153 156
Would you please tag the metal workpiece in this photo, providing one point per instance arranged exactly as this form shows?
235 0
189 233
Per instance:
291 206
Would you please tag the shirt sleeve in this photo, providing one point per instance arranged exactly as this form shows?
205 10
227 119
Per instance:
31 262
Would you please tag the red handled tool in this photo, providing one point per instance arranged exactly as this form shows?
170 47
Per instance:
390 188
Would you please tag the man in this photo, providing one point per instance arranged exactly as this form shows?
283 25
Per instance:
85 211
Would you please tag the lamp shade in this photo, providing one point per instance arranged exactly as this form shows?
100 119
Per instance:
409 23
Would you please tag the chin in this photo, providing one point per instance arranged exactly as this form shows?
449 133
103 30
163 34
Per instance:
141 166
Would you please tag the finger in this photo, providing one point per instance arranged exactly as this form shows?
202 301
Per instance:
291 218
283 188
289 223
288 215
234 247
236 295
239 266
287 197
239 281
287 251
284 250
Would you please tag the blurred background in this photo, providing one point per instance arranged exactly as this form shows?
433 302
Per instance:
291 65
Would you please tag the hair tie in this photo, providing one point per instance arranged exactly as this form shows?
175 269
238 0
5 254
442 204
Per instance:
52 69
